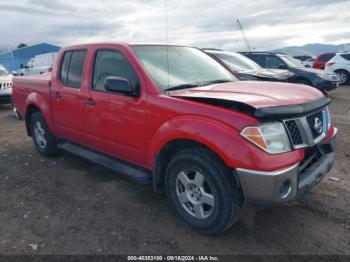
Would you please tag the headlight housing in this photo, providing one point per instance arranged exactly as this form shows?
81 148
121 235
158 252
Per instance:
329 119
270 137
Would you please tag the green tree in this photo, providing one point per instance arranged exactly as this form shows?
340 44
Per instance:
21 45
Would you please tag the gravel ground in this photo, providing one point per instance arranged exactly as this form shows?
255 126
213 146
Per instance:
65 205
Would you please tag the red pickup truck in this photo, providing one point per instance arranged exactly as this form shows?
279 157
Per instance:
172 116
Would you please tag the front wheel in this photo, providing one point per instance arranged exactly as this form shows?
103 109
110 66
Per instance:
202 191
44 141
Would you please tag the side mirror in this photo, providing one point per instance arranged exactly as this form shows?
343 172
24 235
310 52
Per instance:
120 85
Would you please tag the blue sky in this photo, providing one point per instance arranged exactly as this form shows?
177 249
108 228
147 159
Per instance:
269 24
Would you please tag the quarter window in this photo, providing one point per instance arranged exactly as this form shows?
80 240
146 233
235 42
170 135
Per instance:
325 57
112 63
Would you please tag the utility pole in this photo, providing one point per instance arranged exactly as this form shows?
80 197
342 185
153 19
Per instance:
12 58
244 36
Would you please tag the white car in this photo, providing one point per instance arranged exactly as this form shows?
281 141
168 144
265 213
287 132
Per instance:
308 63
340 64
38 65
5 86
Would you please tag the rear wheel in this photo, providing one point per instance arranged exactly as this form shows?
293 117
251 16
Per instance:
201 191
44 141
343 76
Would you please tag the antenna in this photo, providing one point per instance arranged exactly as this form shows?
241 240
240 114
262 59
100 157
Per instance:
167 36
243 34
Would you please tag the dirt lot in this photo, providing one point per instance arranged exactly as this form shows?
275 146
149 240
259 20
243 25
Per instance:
65 205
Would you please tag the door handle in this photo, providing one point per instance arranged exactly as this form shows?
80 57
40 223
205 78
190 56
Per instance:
90 102
57 95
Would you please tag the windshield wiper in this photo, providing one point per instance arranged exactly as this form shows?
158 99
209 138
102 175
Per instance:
179 87
184 86
218 81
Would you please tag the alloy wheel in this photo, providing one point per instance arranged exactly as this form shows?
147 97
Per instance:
39 133
195 193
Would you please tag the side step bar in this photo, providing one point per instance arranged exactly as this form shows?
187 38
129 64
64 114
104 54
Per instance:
137 174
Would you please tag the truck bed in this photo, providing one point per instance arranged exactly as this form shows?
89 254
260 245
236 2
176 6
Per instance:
23 86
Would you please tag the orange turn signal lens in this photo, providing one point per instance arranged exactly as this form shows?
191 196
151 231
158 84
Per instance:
253 134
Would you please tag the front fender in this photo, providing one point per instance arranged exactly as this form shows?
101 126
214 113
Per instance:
211 133
40 102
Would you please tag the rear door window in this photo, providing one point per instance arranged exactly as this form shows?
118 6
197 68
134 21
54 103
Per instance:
72 68
76 67
65 67
346 56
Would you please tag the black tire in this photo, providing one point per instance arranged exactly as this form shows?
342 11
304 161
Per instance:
227 195
344 76
50 148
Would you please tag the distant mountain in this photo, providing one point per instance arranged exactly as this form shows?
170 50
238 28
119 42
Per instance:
313 49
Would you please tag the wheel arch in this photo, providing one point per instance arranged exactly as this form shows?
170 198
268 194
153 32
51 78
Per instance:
162 159
35 102
184 132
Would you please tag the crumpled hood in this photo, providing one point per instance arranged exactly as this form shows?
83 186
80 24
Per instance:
268 73
255 94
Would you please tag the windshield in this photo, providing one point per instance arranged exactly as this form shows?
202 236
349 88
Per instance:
3 72
237 62
291 62
188 67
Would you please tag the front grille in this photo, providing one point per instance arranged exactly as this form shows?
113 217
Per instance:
315 122
3 85
307 130
294 132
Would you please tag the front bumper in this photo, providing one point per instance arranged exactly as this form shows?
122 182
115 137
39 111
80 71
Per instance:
5 96
267 188
327 85
5 99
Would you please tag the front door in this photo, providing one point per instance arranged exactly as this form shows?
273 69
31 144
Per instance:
116 123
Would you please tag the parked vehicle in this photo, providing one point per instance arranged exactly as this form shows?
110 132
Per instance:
319 79
39 64
322 59
174 117
247 69
340 64
308 63
5 86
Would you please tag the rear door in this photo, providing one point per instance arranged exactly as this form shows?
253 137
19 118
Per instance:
67 96
116 123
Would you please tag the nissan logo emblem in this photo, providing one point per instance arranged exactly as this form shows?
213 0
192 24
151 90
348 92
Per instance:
318 125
